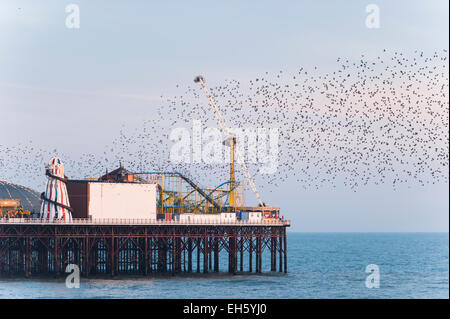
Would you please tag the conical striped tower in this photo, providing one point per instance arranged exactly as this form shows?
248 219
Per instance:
55 200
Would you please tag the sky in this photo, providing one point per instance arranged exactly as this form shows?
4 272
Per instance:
111 72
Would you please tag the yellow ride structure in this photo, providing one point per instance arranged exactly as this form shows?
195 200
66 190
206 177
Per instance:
179 194
12 208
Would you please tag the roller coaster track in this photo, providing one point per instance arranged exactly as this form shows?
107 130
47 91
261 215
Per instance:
190 182
213 191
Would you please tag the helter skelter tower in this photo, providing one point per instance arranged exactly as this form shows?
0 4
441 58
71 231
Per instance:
55 200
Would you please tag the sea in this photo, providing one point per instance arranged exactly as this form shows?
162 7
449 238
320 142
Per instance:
320 265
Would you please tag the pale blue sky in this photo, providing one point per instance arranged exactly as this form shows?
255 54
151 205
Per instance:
127 53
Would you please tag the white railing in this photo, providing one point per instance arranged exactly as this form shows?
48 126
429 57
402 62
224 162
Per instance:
128 221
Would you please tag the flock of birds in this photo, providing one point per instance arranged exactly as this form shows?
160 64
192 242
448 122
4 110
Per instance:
381 120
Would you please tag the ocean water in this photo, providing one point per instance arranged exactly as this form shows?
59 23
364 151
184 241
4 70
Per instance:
320 265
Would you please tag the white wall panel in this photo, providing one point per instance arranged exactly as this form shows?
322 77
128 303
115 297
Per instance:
122 200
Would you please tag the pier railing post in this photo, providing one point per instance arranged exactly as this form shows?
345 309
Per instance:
198 240
173 255
241 252
235 255
271 252
205 252
230 251
27 258
111 252
119 262
250 252
210 249
234 251
280 249
189 244
86 255
258 250
285 250
216 254
178 248
145 253
56 257
162 254
150 254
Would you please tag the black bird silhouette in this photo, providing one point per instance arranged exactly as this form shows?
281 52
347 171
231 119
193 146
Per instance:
368 121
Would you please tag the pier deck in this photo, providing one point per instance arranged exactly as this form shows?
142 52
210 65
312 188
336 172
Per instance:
35 247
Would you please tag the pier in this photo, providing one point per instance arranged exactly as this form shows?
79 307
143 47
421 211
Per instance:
115 247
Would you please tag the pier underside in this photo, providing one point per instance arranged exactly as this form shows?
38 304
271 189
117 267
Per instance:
39 249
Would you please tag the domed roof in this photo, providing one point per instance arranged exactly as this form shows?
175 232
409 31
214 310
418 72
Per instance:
29 199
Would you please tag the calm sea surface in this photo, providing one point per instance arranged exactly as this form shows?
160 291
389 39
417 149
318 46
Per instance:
320 265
